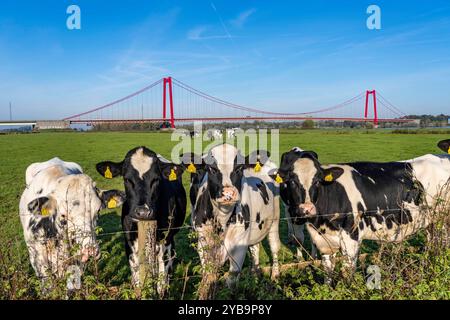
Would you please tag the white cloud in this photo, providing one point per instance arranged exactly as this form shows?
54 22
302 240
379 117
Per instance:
197 33
240 20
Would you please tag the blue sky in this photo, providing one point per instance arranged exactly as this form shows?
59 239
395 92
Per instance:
275 55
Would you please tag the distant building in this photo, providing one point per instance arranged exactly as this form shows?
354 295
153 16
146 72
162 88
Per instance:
51 124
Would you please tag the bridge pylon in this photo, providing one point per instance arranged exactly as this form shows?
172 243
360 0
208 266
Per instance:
168 82
366 110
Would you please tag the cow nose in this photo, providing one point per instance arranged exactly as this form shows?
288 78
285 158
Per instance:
144 213
307 209
229 194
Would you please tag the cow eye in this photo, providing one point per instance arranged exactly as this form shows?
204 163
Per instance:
129 182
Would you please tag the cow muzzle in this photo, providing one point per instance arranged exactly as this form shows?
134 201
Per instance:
230 195
307 209
143 213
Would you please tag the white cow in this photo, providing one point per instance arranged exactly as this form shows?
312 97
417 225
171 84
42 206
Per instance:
58 212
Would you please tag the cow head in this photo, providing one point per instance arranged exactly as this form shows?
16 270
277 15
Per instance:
223 168
143 172
444 145
72 209
301 178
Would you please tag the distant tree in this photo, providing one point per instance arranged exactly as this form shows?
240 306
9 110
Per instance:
308 124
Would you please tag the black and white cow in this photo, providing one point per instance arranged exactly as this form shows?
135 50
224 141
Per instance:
214 134
295 223
58 211
347 203
235 206
154 191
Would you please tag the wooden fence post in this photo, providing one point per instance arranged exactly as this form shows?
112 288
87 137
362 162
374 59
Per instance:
147 250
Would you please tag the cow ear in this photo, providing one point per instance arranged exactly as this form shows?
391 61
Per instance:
444 145
43 206
257 159
331 174
191 162
109 169
171 171
112 199
279 176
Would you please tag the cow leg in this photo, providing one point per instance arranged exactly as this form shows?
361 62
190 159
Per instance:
299 239
350 250
165 264
296 234
328 263
212 257
275 244
313 250
133 259
41 265
236 255
254 251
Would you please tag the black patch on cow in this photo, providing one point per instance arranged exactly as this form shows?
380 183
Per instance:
196 179
39 191
215 178
46 224
332 199
203 210
393 185
246 215
258 217
291 197
263 192
260 225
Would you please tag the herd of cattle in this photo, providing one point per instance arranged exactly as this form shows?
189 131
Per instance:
234 203
216 134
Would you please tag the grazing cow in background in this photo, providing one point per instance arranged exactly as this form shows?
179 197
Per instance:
193 134
58 211
214 134
231 133
347 203
154 192
235 202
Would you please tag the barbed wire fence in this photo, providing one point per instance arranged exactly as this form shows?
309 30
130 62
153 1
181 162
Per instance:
440 234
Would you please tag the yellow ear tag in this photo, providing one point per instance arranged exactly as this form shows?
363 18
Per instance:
108 173
328 177
257 167
112 203
172 175
448 150
45 212
191 168
278 179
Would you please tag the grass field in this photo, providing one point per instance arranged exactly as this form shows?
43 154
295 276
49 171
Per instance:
18 151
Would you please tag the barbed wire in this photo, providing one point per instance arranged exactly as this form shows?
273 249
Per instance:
361 214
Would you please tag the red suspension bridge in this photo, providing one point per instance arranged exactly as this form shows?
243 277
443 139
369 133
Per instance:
171 101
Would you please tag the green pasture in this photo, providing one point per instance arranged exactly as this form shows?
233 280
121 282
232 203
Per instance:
17 151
